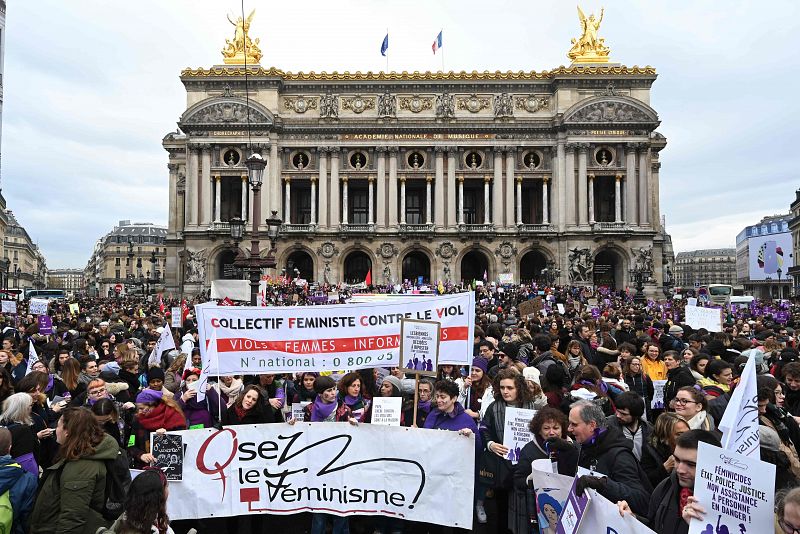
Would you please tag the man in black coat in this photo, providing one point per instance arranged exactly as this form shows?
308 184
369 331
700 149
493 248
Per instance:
672 503
678 376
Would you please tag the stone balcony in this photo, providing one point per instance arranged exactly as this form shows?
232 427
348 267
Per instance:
298 228
357 229
530 229
417 228
476 229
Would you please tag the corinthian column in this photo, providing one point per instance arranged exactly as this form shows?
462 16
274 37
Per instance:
322 155
644 167
630 184
370 194
335 189
497 195
402 200
511 157
313 200
428 199
344 200
545 202
381 205
287 218
217 197
461 199
617 198
393 187
583 209
591 199
205 188
486 206
519 200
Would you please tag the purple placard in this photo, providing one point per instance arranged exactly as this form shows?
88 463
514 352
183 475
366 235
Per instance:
570 519
595 312
45 325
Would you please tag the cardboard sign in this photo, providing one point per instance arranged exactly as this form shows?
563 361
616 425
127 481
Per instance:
9 306
516 433
74 309
387 411
735 490
175 316
298 410
168 452
561 309
38 306
419 346
45 325
531 306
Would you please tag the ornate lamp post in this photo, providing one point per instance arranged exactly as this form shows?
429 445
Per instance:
668 283
550 274
639 275
768 279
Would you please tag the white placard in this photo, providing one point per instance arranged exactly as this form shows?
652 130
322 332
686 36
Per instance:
38 306
387 411
657 402
419 345
734 489
708 318
9 306
691 301
298 410
335 468
176 315
561 308
516 433
602 516
505 278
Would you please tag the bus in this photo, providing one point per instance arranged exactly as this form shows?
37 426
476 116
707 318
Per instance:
50 294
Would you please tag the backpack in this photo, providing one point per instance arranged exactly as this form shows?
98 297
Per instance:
118 481
6 513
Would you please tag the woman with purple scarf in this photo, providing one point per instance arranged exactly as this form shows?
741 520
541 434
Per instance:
350 393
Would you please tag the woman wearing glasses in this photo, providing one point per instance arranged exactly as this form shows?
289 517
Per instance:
788 512
638 382
690 404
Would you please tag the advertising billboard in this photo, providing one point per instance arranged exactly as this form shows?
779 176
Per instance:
769 253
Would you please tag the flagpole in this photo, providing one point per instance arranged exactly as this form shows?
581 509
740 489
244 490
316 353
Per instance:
441 31
387 53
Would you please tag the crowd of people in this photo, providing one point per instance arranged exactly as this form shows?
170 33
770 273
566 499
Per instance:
77 422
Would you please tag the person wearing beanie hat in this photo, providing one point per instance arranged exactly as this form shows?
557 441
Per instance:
391 387
477 393
481 363
155 413
155 378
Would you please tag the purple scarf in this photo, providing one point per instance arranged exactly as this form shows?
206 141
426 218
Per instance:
49 383
320 411
424 406
351 401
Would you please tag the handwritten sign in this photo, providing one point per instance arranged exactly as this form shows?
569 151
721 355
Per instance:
386 411
657 402
708 318
734 489
419 345
38 306
516 433
168 452
9 306
298 410
175 316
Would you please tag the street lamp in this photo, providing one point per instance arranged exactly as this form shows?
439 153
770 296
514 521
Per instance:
17 272
639 274
768 278
550 274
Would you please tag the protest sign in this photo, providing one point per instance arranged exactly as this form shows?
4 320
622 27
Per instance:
552 491
657 402
175 316
737 492
333 468
505 278
739 424
419 346
282 339
168 452
708 318
298 410
574 508
387 411
530 306
45 323
32 358
691 301
516 433
74 309
38 306
602 516
9 306
560 307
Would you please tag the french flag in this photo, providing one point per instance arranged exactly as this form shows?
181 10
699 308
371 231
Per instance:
437 44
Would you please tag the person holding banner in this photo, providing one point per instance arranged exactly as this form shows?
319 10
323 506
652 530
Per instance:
250 408
199 414
154 414
350 394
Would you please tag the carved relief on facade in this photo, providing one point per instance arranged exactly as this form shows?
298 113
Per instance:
387 251
532 103
226 113
581 265
329 106
503 106
610 112
387 105
445 108
299 104
446 250
474 103
327 250
416 103
358 103
196 266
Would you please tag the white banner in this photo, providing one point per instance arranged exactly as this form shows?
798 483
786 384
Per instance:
739 425
328 467
708 318
9 306
233 289
737 492
602 516
279 339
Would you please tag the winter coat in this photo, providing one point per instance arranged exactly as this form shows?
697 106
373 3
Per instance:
664 510
492 429
676 379
172 382
652 462
21 486
71 498
645 429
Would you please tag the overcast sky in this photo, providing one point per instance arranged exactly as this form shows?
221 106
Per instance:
91 87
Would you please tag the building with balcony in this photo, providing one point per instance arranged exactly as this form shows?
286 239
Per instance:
765 257
27 267
443 176
70 280
704 267
130 259
794 230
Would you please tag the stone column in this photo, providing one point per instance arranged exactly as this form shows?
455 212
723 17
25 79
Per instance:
559 180
287 206
381 205
486 207
205 189
545 202
583 209
428 199
334 204
569 185
344 200
451 186
654 198
519 200
393 187
438 212
630 183
461 199
218 197
497 194
511 155
191 187
245 188
644 166
402 200
314 200
172 222
617 198
273 200
370 194
591 199
322 155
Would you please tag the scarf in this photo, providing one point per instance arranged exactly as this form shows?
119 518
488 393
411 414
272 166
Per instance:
304 394
232 391
162 416
320 411
352 401
684 497
49 383
698 421
424 407
241 412
574 361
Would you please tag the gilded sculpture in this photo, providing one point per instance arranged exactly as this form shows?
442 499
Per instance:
589 48
242 50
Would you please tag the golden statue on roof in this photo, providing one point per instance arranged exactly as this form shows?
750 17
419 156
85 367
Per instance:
589 48
242 49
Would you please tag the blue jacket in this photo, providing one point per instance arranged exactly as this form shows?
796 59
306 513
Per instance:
455 421
22 487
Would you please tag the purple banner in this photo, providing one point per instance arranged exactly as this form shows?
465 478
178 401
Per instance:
45 325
